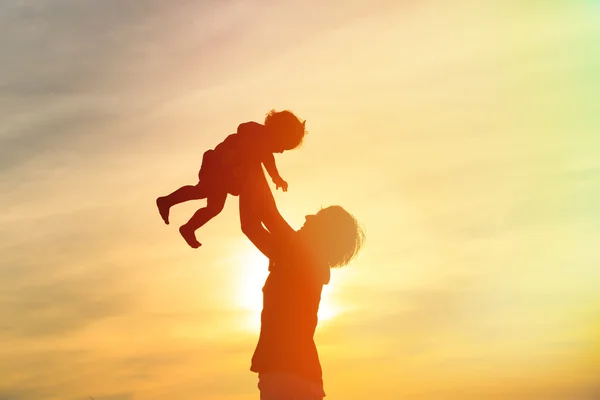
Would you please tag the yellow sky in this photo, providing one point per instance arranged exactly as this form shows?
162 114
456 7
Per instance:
464 137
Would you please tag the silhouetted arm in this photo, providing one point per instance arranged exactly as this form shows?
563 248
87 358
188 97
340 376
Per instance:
271 167
257 207
253 228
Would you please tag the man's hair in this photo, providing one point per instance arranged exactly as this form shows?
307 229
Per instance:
344 235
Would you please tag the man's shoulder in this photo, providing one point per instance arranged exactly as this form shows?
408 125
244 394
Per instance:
289 248
293 258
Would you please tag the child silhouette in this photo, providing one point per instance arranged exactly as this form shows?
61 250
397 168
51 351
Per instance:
224 168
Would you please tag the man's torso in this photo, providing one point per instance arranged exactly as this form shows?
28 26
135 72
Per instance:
291 297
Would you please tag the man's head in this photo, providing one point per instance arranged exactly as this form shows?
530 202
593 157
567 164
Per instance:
334 235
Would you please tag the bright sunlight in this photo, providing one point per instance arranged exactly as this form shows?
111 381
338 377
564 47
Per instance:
253 271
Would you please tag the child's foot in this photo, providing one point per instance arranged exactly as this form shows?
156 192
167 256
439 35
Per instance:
189 236
163 210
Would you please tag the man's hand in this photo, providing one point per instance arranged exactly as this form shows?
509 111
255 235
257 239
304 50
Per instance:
280 183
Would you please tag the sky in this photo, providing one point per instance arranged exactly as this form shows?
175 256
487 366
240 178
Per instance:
463 135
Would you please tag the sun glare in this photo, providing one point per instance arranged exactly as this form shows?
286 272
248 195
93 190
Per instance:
327 309
253 271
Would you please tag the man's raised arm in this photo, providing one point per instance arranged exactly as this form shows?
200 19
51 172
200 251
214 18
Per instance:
257 207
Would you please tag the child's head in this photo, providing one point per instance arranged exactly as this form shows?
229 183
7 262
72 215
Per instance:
287 130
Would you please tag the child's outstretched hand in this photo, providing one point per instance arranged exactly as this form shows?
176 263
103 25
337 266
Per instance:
280 183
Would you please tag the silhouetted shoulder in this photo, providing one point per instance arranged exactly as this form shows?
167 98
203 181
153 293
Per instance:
250 127
247 133
293 256
251 136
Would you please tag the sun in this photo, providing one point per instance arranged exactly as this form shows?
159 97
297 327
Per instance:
327 309
251 277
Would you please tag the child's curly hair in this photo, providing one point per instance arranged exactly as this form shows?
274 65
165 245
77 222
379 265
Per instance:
286 124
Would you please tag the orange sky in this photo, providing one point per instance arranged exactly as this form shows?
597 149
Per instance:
464 137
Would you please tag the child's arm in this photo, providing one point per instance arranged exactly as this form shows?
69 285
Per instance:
269 163
271 167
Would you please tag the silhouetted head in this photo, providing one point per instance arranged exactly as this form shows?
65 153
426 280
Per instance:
334 235
286 129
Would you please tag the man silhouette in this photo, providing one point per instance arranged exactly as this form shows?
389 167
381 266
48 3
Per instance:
286 357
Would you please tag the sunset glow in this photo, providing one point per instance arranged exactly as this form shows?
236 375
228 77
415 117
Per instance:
464 135
248 291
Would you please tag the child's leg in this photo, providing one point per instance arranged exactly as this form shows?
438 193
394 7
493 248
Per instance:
214 205
181 195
